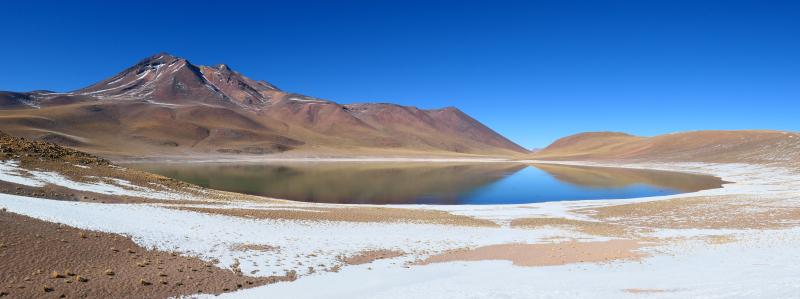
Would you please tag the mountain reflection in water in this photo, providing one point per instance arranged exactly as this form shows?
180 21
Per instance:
432 183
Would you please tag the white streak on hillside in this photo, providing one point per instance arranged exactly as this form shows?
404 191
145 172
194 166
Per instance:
11 172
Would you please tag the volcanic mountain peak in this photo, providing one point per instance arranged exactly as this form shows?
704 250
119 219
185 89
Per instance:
164 78
260 85
140 80
238 87
165 104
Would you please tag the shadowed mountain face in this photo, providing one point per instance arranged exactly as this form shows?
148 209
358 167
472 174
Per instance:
166 106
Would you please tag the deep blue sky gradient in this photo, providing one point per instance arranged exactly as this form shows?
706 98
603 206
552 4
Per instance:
532 70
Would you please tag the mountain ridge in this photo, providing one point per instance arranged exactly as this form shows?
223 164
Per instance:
165 105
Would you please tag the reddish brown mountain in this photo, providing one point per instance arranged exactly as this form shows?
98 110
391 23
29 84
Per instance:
164 106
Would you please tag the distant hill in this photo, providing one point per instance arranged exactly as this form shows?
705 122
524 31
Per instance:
165 105
703 146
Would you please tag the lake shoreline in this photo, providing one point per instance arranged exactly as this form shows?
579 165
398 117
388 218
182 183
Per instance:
687 237
452 183
311 159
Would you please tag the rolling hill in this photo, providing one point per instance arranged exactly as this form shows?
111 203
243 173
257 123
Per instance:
756 146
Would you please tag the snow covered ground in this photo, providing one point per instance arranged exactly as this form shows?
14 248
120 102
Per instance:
763 265
299 244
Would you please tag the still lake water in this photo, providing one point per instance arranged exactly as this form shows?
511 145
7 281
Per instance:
432 183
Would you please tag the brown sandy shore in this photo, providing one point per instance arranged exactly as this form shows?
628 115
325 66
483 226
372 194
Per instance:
46 260
533 255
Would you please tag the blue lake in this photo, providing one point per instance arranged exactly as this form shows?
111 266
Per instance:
432 183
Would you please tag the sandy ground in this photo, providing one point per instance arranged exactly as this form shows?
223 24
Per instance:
46 260
736 241
531 255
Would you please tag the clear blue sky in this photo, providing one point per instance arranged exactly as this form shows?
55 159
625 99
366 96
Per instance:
532 70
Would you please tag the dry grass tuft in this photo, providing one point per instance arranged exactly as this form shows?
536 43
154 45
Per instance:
254 247
55 274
